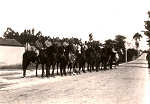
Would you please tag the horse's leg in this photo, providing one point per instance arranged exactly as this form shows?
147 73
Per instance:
47 70
64 71
74 70
111 62
88 67
36 68
97 67
24 72
75 67
69 68
61 70
83 68
25 65
50 69
117 62
105 64
53 69
100 65
42 70
80 66
93 67
57 68
71 71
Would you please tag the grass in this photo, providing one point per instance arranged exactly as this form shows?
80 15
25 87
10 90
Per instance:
18 66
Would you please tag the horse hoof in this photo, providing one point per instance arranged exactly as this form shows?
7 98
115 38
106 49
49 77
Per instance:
47 76
73 73
84 71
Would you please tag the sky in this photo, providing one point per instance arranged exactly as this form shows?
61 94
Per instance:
76 18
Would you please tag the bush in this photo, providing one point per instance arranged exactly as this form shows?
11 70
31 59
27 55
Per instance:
132 54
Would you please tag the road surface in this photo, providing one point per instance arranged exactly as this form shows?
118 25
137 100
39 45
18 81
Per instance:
128 84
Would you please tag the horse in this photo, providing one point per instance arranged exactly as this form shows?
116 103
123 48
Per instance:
38 58
72 62
60 52
51 53
81 59
63 64
98 62
115 59
109 58
106 57
90 58
28 57
68 53
42 59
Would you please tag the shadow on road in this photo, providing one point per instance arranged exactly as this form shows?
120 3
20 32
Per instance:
8 74
137 63
11 78
3 85
130 66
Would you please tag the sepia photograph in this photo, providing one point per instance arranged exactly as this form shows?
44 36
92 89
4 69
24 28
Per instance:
74 51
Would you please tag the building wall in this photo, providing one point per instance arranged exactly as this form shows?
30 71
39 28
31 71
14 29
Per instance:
11 55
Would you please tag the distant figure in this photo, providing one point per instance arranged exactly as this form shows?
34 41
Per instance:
148 59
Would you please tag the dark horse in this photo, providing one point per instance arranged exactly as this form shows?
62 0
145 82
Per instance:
61 60
90 58
51 53
31 56
108 57
81 59
98 58
63 64
28 57
60 52
42 59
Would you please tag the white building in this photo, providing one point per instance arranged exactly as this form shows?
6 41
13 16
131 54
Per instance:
11 52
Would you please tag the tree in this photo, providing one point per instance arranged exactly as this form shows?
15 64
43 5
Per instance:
27 36
11 34
90 37
110 43
147 27
120 46
120 42
137 38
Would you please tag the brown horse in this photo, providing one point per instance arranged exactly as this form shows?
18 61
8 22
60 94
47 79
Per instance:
28 57
33 57
51 53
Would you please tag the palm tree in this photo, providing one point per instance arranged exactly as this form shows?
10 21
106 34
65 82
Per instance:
137 38
90 37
